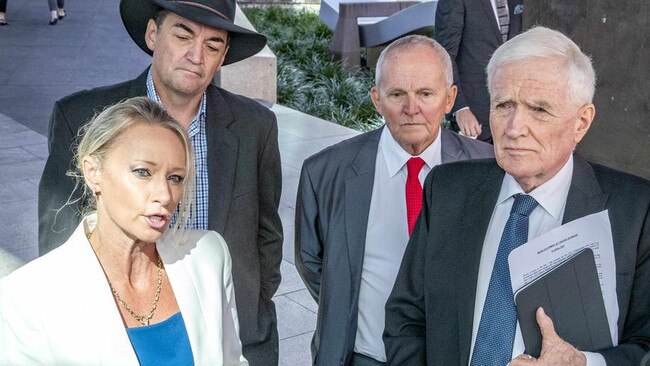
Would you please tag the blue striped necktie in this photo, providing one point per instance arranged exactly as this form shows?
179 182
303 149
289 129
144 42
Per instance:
496 331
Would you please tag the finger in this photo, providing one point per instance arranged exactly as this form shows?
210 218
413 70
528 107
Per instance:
523 360
546 326
461 121
468 128
473 131
478 129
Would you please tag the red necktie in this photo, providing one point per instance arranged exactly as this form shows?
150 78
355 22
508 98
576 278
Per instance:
413 191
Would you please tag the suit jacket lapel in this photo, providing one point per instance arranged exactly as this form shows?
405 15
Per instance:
358 192
98 306
478 209
489 11
451 150
183 279
585 195
223 146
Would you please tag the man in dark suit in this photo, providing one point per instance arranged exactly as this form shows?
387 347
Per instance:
234 139
443 309
352 218
470 30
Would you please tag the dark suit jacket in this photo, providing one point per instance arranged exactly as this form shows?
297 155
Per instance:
244 189
469 31
331 219
429 314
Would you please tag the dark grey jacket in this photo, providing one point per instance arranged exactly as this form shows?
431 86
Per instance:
331 220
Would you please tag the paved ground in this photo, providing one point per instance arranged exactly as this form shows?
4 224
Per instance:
40 64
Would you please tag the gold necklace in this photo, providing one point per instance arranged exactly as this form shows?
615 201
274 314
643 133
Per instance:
142 319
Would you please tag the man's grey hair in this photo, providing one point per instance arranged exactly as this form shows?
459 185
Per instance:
545 43
407 42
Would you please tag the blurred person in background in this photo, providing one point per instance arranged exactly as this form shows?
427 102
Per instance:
470 30
3 11
57 10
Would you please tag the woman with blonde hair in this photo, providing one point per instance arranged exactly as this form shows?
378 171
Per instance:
125 289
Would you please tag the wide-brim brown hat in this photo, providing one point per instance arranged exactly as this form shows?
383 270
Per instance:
242 42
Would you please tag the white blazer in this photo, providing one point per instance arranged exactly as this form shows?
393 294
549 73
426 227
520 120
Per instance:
59 309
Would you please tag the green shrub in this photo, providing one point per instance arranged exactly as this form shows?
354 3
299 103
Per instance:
309 79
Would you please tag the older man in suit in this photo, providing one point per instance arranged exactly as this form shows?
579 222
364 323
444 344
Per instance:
234 140
470 30
452 303
358 200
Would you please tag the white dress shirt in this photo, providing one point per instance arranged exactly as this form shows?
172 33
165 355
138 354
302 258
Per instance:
386 238
551 198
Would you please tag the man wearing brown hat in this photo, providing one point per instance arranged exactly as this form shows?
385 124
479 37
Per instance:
234 139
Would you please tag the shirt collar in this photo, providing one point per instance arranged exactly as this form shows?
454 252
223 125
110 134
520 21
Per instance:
200 114
551 195
396 157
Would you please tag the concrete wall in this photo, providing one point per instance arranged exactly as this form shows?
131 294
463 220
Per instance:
616 34
254 77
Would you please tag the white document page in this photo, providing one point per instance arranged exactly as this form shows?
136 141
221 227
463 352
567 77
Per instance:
538 256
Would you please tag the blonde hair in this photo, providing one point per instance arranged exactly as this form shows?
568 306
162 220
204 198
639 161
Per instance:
99 135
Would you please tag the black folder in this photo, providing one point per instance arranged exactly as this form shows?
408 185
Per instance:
570 295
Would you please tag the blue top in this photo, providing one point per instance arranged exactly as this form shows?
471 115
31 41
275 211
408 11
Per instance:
164 343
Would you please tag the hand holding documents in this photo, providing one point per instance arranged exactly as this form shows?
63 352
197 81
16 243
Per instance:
571 273
570 295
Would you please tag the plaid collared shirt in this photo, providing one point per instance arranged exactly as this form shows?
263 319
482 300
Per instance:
196 133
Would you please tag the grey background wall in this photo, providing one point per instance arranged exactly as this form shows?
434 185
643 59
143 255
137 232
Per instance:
616 34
